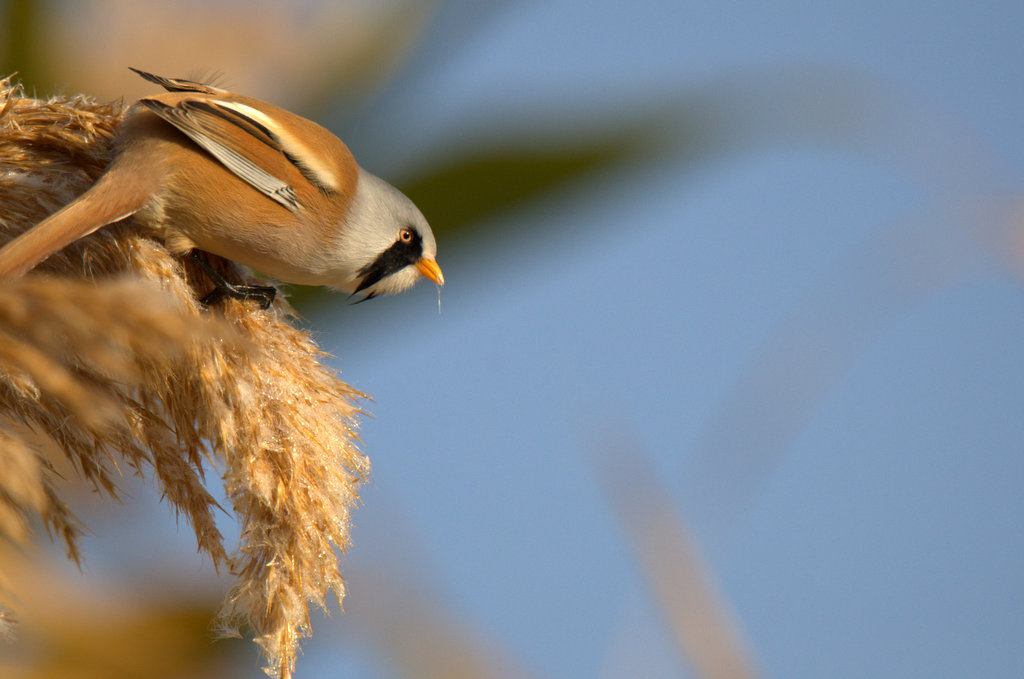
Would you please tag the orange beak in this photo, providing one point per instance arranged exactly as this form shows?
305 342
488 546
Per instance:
431 270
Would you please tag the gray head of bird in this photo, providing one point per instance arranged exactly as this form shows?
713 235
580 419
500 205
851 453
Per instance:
387 242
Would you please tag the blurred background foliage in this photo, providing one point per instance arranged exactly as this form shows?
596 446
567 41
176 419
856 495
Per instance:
516 177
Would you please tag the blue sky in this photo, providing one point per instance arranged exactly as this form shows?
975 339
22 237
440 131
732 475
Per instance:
878 534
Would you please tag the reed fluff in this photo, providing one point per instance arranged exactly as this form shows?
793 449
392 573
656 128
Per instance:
108 363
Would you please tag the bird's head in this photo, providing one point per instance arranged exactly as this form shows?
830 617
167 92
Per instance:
388 241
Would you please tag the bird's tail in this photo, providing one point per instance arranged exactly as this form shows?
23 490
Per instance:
106 202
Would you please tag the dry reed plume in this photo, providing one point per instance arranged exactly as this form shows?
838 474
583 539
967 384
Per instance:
108 361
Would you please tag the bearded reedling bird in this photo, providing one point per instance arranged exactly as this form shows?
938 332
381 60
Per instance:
210 170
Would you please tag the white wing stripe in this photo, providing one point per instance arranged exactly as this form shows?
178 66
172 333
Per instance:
291 145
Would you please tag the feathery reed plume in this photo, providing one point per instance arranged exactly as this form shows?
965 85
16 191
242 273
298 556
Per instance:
106 358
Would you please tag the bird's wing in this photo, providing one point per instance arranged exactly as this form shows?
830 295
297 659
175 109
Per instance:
240 142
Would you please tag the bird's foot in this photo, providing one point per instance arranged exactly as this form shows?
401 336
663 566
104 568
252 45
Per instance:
264 294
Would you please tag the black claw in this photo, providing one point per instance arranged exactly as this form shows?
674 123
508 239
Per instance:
265 294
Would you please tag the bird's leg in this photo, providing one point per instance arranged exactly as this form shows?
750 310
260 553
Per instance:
263 293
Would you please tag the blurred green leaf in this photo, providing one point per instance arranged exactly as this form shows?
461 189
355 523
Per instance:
476 188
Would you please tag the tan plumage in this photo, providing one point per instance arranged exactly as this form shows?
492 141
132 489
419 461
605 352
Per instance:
208 169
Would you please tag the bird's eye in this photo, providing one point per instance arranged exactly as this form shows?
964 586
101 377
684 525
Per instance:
405 235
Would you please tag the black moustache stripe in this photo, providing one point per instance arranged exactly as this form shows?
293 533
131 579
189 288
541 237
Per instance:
395 258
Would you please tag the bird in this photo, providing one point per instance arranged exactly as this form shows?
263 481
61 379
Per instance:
209 170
